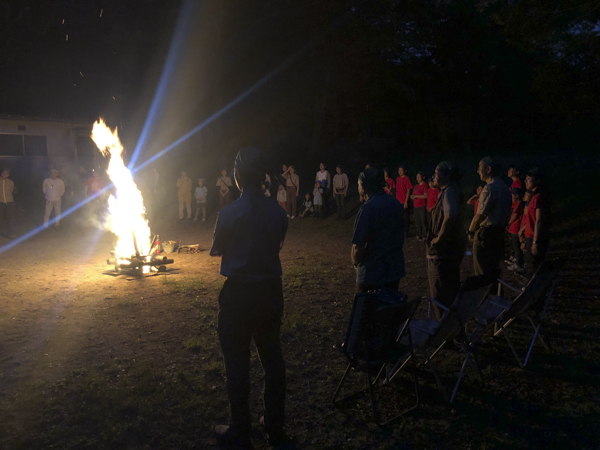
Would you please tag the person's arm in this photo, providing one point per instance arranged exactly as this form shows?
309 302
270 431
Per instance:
513 218
472 199
179 181
357 254
297 185
62 189
44 187
346 182
539 224
328 180
484 204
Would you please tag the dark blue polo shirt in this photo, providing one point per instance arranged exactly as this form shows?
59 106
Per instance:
248 235
380 226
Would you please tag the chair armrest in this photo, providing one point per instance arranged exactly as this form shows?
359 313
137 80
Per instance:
421 329
439 305
509 286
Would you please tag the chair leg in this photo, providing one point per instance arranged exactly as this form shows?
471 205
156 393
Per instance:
337 390
460 375
512 347
438 381
536 329
396 370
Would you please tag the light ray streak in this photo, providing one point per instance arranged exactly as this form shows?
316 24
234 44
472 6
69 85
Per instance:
181 30
183 138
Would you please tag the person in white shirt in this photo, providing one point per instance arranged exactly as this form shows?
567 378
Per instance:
53 188
201 194
324 177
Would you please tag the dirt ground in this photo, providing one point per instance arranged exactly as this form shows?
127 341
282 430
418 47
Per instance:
93 360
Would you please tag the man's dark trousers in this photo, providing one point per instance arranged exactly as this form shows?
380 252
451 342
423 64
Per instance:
488 249
250 310
7 215
444 280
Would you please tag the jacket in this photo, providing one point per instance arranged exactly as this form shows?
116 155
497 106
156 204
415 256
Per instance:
7 186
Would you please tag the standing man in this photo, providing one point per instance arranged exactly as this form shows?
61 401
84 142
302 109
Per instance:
184 194
403 188
340 190
224 184
249 235
535 231
324 177
378 237
445 238
487 227
292 188
7 204
53 188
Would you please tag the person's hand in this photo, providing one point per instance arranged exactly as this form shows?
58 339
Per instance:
523 246
344 194
534 249
434 241
406 205
412 196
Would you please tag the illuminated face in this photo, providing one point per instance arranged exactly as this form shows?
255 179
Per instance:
307 197
479 189
183 174
53 174
292 170
200 183
530 182
322 167
419 178
515 197
440 178
483 170
284 168
5 174
338 170
511 172
224 173
401 171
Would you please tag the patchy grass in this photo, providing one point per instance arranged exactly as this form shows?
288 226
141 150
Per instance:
184 285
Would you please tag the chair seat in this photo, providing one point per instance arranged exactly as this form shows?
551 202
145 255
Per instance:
491 308
420 331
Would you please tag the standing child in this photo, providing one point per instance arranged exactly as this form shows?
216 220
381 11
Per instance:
432 198
514 173
474 200
389 183
419 198
307 207
318 200
403 188
514 225
201 194
281 196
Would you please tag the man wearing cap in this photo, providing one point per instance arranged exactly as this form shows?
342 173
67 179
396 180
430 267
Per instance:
487 227
248 236
7 204
445 243
378 238
535 228
53 188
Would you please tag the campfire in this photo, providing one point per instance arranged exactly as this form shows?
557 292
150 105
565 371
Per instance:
134 250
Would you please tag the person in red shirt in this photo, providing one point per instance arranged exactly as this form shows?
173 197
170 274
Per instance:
403 188
474 200
514 173
93 184
432 198
390 185
514 225
419 198
535 229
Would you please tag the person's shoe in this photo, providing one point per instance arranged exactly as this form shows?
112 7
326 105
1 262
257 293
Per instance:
203 220
518 269
288 216
279 439
293 217
228 438
195 219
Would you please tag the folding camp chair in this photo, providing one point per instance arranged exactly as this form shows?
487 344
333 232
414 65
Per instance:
499 311
429 336
379 320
